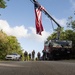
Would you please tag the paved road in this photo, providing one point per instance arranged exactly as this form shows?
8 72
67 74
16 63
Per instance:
37 68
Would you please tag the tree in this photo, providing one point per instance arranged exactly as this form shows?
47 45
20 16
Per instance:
71 23
3 42
9 44
71 29
54 35
13 45
70 35
3 3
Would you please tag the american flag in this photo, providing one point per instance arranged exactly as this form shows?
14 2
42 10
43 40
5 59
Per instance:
38 18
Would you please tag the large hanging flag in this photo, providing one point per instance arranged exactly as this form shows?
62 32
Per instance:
38 18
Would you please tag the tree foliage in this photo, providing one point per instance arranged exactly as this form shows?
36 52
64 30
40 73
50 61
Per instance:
71 23
71 31
3 3
8 44
54 34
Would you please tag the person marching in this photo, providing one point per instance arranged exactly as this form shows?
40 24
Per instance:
29 56
26 55
38 55
33 55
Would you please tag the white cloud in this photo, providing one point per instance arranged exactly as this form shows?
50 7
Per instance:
21 31
37 37
62 22
18 31
30 33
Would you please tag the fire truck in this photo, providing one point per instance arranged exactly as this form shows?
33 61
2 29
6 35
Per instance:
55 49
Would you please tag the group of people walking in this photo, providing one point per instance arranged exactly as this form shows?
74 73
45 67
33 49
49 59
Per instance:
31 56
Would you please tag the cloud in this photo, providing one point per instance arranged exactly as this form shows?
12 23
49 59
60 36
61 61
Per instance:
18 31
22 32
62 22
38 37
30 33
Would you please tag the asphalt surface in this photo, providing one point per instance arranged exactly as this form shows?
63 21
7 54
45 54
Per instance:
37 68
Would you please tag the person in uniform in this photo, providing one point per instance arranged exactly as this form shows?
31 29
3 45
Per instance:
26 55
33 54
29 56
38 55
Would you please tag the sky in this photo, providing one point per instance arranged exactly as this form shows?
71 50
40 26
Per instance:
18 19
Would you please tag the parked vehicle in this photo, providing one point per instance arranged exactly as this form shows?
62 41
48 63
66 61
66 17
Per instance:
57 49
13 56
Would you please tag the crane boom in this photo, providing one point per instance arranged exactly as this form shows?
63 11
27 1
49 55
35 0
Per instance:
49 16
